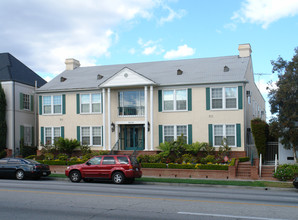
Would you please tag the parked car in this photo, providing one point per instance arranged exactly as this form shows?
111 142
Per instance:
118 168
21 168
295 182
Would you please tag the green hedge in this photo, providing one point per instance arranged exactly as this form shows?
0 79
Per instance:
181 166
60 162
286 172
153 165
243 159
213 167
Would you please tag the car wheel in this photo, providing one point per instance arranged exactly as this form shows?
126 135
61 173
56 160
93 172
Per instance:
75 176
118 178
20 174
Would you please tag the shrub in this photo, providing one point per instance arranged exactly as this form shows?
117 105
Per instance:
243 159
260 131
73 159
208 159
233 161
49 156
286 172
66 145
3 154
31 157
62 157
26 150
53 162
74 162
181 166
85 149
212 167
188 158
101 152
154 165
194 148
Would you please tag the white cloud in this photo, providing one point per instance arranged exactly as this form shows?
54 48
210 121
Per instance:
149 50
265 12
132 51
42 34
230 26
172 15
182 51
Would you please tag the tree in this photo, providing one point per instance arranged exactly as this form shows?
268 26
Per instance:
3 127
284 102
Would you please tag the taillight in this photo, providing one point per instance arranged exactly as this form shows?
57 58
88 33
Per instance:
130 167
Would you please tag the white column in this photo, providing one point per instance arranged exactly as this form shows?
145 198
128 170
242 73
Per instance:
151 117
109 118
104 118
146 118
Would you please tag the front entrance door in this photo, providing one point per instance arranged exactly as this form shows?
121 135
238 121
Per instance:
132 137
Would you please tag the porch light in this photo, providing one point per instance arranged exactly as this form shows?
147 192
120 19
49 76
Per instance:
113 127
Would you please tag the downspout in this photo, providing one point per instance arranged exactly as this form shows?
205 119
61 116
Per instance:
14 119
35 114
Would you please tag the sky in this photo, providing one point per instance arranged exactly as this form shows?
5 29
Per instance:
42 34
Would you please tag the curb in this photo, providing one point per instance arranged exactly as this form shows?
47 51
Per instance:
194 185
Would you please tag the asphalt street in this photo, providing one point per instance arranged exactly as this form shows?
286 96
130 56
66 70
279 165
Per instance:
50 199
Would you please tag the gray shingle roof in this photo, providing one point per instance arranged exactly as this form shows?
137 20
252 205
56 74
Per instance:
195 71
11 69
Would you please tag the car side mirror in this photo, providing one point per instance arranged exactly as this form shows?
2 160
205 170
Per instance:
88 163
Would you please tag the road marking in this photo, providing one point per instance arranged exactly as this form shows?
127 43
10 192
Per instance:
227 216
148 198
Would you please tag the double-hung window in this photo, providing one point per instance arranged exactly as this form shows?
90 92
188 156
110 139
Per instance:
175 100
52 134
91 136
172 132
224 98
91 103
27 136
52 104
26 101
227 132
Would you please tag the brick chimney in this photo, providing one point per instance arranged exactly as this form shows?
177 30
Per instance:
72 64
244 50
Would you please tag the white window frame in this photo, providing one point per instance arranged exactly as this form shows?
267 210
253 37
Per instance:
224 134
27 138
90 103
52 105
25 101
175 132
52 134
175 101
223 98
91 135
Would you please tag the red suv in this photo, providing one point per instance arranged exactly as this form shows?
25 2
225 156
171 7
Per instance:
118 168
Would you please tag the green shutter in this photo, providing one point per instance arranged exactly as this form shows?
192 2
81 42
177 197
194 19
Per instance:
160 100
22 132
160 134
78 133
63 105
238 132
78 103
32 103
42 135
189 96
240 97
207 98
62 131
101 135
40 105
32 133
210 133
189 134
21 101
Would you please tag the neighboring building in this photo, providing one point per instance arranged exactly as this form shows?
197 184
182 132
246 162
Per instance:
143 104
18 82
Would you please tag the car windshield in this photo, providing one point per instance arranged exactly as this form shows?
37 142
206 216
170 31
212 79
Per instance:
31 161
